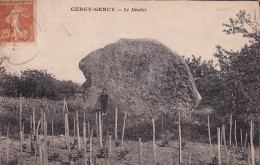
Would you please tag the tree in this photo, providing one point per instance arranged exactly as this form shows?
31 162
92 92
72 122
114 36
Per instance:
206 79
66 89
234 87
36 84
240 70
2 74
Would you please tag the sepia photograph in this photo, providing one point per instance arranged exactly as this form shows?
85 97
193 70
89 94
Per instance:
129 82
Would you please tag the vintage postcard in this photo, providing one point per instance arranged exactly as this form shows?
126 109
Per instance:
129 82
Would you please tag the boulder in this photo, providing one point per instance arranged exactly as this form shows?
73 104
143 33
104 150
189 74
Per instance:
142 77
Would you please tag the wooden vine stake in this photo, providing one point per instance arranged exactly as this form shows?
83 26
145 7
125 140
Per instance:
245 141
259 133
74 127
235 133
180 141
1 133
7 149
224 138
96 124
249 155
162 124
42 125
77 122
90 148
84 142
33 115
52 133
7 131
1 141
67 131
23 132
219 153
251 143
88 130
37 140
20 123
31 131
222 131
123 132
221 136
116 114
110 147
45 152
0 157
140 152
66 125
105 148
154 149
40 153
241 139
211 152
230 130
100 130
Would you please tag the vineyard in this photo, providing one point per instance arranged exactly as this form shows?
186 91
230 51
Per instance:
39 131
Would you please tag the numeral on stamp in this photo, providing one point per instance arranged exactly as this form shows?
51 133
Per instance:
5 33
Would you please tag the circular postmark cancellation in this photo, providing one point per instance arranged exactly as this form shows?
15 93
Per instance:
17 21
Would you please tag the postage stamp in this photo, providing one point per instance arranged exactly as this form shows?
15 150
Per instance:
17 21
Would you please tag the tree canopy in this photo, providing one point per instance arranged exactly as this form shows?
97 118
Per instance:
234 85
36 84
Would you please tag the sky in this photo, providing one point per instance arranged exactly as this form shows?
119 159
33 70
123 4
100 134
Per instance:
64 37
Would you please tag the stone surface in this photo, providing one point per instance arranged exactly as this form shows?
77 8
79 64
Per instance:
142 77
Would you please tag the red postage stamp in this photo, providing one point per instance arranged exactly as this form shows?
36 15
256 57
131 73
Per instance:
17 21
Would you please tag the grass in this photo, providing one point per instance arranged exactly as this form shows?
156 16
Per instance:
166 155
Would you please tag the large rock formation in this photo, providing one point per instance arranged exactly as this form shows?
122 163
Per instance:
141 76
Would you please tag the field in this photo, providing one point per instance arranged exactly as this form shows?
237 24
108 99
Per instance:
52 138
199 153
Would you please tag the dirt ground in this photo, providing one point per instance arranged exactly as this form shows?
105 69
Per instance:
196 153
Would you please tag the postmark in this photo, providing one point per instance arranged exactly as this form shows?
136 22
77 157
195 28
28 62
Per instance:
17 21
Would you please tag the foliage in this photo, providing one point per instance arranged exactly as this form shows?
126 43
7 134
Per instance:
233 86
205 75
53 109
39 83
245 25
240 70
36 84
